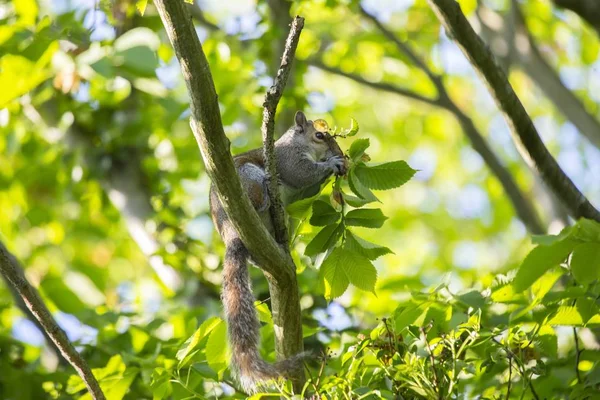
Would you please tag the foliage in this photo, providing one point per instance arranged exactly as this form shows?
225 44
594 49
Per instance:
429 290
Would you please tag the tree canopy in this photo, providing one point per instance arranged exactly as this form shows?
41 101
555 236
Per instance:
455 260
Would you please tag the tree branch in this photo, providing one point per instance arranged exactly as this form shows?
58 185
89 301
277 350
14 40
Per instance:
532 62
386 87
13 273
214 146
268 127
207 127
523 131
522 204
589 10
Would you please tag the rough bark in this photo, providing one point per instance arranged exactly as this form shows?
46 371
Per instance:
522 204
523 131
13 273
268 129
215 149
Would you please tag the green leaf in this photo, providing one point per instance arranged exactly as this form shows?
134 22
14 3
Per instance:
587 230
355 201
357 148
367 249
542 286
343 267
566 315
300 208
216 348
20 75
326 238
585 262
323 214
264 314
193 341
413 314
540 260
547 340
384 176
27 10
359 189
136 51
61 295
366 217
472 298
333 274
141 5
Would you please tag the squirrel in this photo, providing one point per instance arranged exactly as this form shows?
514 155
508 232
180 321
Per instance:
305 156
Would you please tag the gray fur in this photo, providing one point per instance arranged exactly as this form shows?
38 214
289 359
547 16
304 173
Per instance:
303 165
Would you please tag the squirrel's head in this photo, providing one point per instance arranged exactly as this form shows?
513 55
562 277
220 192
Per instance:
322 145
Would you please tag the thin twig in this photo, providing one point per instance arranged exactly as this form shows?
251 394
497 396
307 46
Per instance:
509 377
523 372
13 272
522 204
432 358
523 131
577 355
386 87
268 128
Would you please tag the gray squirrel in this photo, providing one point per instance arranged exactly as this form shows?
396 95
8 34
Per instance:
306 156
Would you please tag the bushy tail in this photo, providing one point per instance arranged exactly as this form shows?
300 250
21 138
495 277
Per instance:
243 325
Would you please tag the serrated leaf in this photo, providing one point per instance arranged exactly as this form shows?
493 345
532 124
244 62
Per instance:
192 342
543 285
343 267
568 316
326 238
384 176
357 148
333 274
585 263
366 217
359 189
540 260
365 248
323 214
216 348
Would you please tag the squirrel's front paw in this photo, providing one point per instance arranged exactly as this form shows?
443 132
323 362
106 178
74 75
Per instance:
338 165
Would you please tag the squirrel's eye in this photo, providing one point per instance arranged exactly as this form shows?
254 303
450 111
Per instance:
319 135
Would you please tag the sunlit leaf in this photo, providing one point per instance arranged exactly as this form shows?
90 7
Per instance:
384 176
585 262
541 259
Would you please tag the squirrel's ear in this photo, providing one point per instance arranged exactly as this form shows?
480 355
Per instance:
301 119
